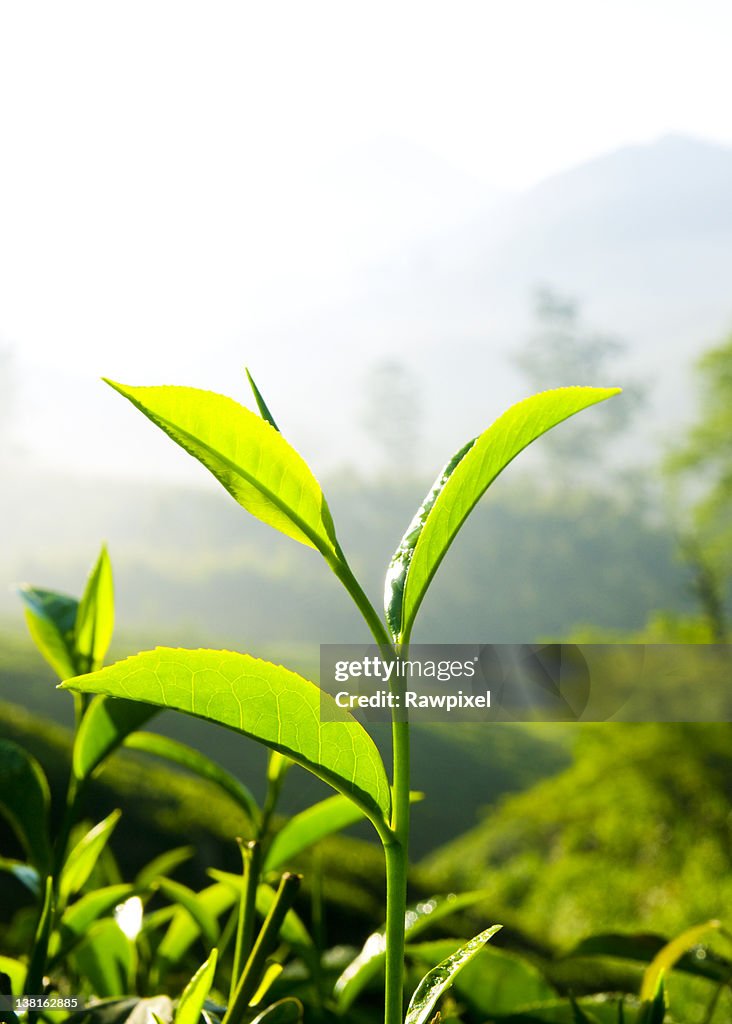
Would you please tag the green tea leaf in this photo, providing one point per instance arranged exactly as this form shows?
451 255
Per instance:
196 992
277 767
82 859
495 983
184 930
95 616
264 701
653 1007
78 918
204 767
292 931
23 873
41 939
601 1009
440 978
24 802
418 918
251 459
261 404
269 976
308 827
106 958
16 971
644 947
286 1011
666 958
164 864
188 899
458 489
579 1014
51 617
106 724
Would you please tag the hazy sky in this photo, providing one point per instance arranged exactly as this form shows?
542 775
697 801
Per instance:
168 169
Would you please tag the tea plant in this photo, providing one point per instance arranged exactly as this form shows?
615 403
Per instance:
75 934
300 724
266 476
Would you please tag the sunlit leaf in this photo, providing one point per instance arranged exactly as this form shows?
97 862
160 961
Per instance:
188 899
184 930
51 617
496 982
286 1011
196 992
644 947
264 701
247 456
459 487
106 725
308 827
261 404
277 767
665 960
83 858
16 970
269 976
77 919
164 864
292 931
41 939
24 801
437 981
418 918
653 1006
95 616
187 757
106 958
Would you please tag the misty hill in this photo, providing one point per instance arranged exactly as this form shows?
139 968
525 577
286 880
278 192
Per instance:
641 238
191 566
642 814
392 254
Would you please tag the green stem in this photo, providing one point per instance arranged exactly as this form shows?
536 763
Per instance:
397 862
73 798
266 941
342 569
396 846
252 862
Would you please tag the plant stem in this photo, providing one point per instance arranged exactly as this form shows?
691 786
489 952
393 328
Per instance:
252 862
396 850
397 861
396 905
344 573
266 941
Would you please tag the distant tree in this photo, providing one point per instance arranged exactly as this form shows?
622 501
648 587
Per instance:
699 470
391 414
563 350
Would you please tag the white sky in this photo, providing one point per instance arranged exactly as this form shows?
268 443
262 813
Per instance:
153 154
